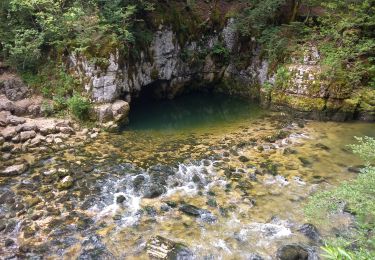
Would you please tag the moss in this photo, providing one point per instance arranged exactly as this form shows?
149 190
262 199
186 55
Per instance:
154 74
301 103
238 88
368 100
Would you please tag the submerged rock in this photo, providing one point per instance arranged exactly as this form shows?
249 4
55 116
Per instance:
243 159
310 231
153 191
295 252
204 215
191 210
322 146
65 183
120 199
356 168
162 248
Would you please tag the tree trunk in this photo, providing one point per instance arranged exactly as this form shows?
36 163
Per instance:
295 6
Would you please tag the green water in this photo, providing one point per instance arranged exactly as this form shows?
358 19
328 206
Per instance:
191 111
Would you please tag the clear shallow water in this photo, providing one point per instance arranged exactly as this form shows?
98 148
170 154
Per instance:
190 112
245 207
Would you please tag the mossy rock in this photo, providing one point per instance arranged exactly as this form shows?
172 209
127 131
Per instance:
300 103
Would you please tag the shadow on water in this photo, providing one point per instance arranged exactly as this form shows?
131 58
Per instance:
190 111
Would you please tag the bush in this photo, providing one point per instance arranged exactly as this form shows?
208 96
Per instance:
358 196
79 106
220 52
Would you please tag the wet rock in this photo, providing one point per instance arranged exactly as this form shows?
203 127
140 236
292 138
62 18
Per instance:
269 168
2 225
66 183
295 252
322 146
153 191
243 159
289 150
27 135
191 210
32 201
28 231
171 204
120 199
310 231
164 208
7 197
254 257
138 181
84 223
194 211
305 162
14 170
196 178
8 242
58 140
356 168
212 203
95 253
10 226
279 135
161 248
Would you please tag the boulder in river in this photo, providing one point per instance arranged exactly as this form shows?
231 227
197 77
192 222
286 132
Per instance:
194 211
153 190
295 252
65 183
162 248
310 231
191 210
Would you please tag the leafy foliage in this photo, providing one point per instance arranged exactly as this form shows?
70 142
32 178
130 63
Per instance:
365 149
79 106
357 198
344 33
336 253
31 28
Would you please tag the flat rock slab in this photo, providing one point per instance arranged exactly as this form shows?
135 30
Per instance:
14 170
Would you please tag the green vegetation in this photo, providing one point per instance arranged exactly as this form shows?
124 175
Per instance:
342 30
79 106
356 197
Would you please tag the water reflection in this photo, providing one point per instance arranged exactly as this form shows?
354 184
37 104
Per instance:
190 111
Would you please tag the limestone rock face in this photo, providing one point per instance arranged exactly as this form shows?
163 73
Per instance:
166 66
304 89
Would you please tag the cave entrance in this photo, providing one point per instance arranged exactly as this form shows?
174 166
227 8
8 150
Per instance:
156 107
